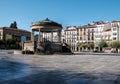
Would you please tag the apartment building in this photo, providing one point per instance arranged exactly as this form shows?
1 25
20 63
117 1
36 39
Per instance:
81 36
92 34
86 35
107 32
71 37
98 33
115 28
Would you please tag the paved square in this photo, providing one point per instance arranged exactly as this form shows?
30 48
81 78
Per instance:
59 69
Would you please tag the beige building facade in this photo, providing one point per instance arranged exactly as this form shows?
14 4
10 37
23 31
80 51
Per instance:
14 34
86 35
79 35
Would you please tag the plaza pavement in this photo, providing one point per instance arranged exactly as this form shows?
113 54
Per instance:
59 69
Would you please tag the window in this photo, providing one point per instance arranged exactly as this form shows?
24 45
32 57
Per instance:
84 33
92 30
77 33
88 38
88 30
80 38
81 29
92 38
114 33
114 29
84 29
114 38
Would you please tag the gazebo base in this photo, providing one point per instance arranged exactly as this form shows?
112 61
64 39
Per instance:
49 48
46 48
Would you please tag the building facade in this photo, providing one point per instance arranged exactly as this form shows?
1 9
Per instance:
81 36
71 37
14 34
115 28
85 36
92 34
107 32
101 32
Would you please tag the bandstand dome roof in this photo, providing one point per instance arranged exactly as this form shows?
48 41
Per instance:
46 22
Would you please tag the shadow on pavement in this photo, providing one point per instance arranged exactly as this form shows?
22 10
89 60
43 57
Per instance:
17 73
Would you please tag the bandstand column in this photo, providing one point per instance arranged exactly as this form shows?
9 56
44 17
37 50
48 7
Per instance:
46 37
38 43
51 36
43 37
59 36
32 36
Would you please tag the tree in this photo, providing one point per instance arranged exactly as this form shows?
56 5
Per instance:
13 25
116 45
82 45
102 44
91 45
2 44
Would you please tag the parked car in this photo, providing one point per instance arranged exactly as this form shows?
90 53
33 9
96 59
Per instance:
109 50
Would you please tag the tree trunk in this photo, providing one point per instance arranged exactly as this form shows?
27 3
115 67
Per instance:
117 50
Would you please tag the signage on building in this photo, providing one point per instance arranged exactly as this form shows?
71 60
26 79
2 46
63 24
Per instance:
23 38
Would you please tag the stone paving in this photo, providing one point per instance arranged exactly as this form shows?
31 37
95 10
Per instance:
59 69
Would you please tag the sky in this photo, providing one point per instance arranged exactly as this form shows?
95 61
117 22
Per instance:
65 12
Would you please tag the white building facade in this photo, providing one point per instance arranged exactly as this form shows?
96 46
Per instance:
115 28
98 34
102 32
71 37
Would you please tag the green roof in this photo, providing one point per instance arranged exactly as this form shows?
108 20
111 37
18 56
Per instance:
47 22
